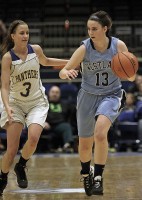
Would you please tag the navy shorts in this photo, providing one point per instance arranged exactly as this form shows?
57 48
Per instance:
89 106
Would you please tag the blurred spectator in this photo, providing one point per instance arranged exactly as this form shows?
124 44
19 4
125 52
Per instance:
138 111
128 113
138 114
58 119
135 87
139 92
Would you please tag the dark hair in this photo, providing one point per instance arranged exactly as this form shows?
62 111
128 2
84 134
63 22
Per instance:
8 41
103 18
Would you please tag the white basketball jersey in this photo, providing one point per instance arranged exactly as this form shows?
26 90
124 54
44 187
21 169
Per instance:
25 82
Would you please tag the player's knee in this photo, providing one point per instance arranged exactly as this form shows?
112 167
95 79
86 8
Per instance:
85 147
33 140
100 136
100 133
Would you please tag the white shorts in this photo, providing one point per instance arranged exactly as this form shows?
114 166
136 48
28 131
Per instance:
27 112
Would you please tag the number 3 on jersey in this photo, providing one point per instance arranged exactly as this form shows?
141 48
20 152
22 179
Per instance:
27 86
102 79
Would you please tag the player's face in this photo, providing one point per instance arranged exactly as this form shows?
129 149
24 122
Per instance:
95 30
21 35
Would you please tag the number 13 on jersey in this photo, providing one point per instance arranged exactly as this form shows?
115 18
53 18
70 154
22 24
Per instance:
102 78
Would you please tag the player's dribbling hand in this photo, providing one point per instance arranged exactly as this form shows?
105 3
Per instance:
71 74
132 78
10 114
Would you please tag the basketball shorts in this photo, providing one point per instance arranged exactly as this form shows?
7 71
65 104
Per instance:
89 106
27 113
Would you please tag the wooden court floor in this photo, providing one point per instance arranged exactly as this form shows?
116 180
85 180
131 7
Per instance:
56 177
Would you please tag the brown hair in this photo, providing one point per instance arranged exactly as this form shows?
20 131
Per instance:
103 18
8 41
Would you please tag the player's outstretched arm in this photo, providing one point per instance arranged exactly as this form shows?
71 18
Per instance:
69 72
45 61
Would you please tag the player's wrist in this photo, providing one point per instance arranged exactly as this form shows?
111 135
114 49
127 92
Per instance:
62 74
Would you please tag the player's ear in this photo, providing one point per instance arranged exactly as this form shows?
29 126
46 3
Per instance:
105 29
12 36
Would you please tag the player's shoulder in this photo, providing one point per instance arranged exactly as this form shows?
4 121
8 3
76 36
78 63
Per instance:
80 50
37 48
86 44
7 57
85 41
120 42
121 46
82 47
113 40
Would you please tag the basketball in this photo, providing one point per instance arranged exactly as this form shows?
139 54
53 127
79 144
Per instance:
124 64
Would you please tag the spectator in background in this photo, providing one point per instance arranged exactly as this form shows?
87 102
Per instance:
139 92
58 119
139 102
138 114
135 87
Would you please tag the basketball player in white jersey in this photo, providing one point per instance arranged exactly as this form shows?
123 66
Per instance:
100 99
23 97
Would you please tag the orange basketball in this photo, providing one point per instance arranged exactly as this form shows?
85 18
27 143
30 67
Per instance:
124 65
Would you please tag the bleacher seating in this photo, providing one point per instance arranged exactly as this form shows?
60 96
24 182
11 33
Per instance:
36 10
46 20
127 136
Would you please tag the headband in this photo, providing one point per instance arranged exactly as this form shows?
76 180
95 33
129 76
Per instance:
94 17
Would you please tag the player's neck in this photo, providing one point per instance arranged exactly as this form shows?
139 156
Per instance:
102 45
20 50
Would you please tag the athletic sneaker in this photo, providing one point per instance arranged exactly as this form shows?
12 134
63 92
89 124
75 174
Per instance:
21 175
98 186
88 180
3 184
